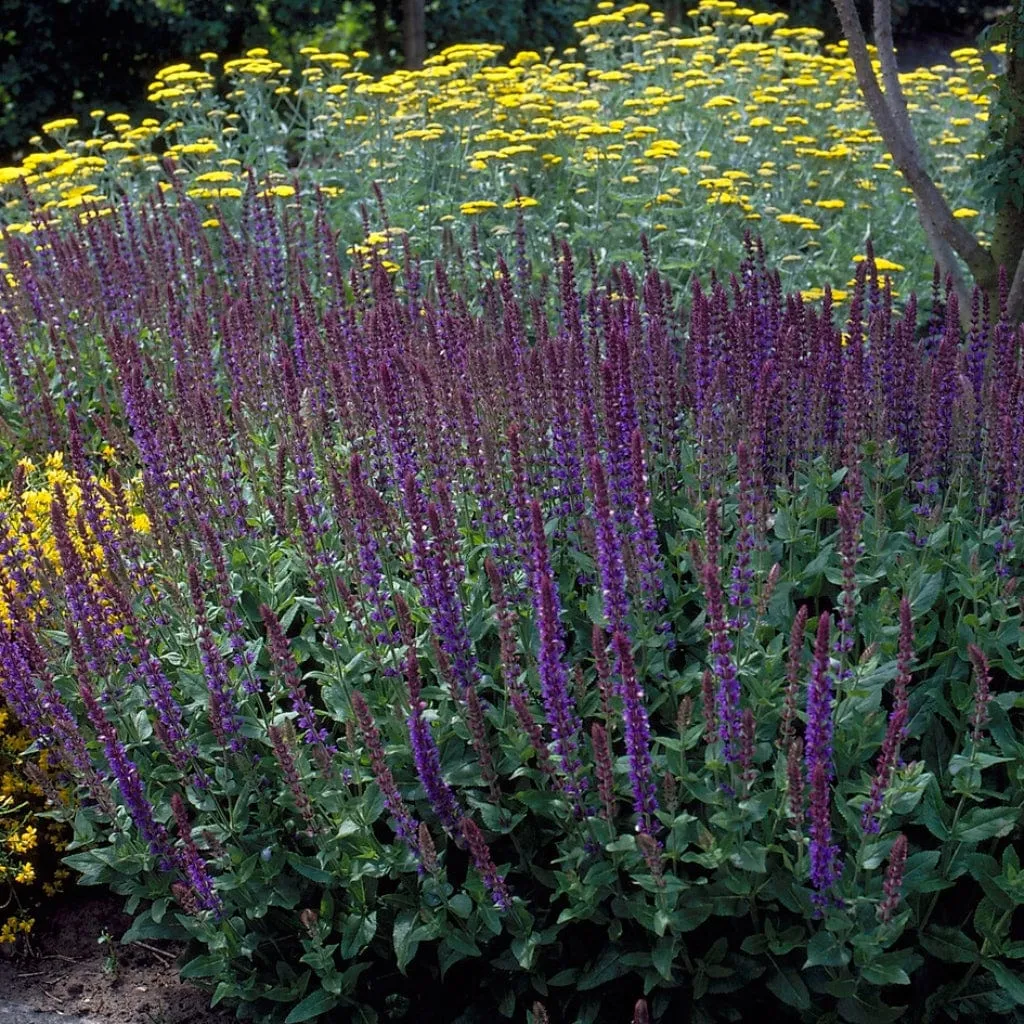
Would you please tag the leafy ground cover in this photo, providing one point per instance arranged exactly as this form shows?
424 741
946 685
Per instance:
691 136
511 619
577 637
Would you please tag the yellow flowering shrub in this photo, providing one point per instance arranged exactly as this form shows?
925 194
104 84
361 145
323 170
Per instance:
30 844
596 136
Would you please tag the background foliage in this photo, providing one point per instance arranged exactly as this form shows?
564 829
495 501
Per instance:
69 56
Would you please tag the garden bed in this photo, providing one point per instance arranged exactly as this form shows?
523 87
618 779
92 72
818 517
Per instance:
70 973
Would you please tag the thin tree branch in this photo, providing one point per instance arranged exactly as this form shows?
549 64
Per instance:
1015 301
894 95
896 100
933 204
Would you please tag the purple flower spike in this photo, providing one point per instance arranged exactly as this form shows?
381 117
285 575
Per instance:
406 827
484 863
893 879
609 552
283 661
896 728
826 867
727 696
638 739
982 690
426 756
129 780
192 863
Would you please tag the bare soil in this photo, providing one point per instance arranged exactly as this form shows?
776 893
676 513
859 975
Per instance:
68 971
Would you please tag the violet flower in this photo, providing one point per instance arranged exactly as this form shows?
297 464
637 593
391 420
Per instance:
727 695
638 739
405 824
286 760
425 754
893 883
192 863
896 727
826 867
284 665
609 552
484 863
982 690
129 780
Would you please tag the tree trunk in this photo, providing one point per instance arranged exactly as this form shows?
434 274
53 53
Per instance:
1008 233
414 33
380 27
944 230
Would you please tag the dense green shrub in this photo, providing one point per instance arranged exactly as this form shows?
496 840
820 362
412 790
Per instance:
502 633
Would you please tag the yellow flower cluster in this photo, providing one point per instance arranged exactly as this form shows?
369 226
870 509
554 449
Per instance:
13 927
31 553
20 838
767 116
25 520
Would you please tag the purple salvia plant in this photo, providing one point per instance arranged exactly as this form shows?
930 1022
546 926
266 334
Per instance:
425 754
604 771
447 615
645 534
368 554
825 866
478 737
720 647
129 781
191 861
795 781
611 567
405 825
896 727
893 883
42 711
982 690
638 739
233 626
742 572
287 671
484 863
707 703
603 671
520 496
224 714
850 515
285 758
510 668
559 707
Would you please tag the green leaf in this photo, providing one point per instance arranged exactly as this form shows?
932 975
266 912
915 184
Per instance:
315 1004
750 857
461 905
403 938
825 950
357 933
858 1012
928 589
985 823
308 869
785 527
950 944
207 966
1009 981
885 972
663 956
787 985
609 966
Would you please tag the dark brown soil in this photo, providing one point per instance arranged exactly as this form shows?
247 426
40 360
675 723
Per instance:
68 970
